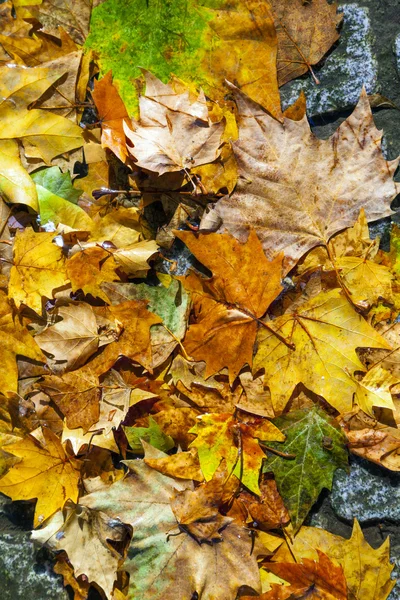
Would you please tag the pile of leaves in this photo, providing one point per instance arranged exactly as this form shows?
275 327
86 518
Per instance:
173 427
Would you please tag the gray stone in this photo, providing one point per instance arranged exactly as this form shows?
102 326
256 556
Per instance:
351 65
368 493
21 577
397 51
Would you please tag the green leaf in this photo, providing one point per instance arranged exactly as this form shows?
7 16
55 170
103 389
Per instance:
319 446
199 41
152 434
57 182
58 210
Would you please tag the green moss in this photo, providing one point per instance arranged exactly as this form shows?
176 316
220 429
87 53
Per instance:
164 36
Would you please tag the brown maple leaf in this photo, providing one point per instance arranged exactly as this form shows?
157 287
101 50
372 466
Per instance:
229 305
173 139
297 190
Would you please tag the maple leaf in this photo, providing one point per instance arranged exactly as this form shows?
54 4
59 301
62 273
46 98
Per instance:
306 31
228 307
354 258
134 341
83 534
43 134
269 510
173 140
309 579
367 578
77 396
181 567
229 41
222 436
316 448
121 227
331 172
74 335
112 114
325 332
38 269
171 304
45 472
88 269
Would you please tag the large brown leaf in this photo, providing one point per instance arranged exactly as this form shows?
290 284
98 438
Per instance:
228 306
297 190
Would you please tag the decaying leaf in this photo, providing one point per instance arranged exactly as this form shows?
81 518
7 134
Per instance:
306 31
84 535
337 174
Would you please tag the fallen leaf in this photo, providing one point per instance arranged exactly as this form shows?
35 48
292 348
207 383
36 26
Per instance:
77 396
45 472
172 140
309 579
222 436
268 511
229 305
53 14
15 183
325 332
83 534
43 134
89 268
134 341
15 340
229 41
144 497
374 390
112 114
38 269
183 465
329 171
367 578
314 449
306 31
171 304
74 336
152 434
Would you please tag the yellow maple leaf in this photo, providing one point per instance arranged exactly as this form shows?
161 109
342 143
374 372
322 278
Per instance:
367 570
45 472
320 350
38 269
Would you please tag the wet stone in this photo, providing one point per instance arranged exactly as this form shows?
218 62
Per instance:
348 67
